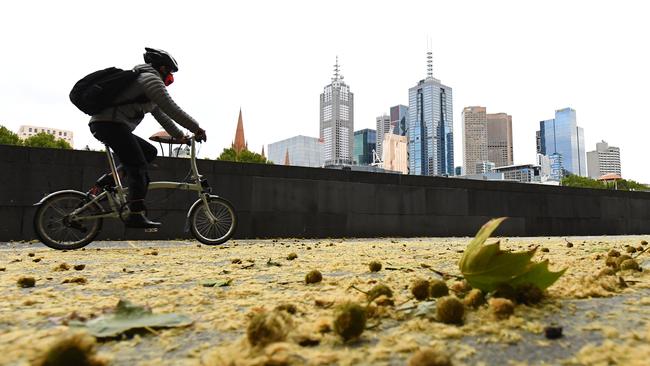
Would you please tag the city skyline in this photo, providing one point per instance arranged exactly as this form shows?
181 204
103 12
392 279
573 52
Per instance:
486 62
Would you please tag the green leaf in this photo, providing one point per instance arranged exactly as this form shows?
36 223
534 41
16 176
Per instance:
128 317
487 266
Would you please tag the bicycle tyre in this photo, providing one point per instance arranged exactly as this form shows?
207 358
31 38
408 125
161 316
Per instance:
43 222
202 228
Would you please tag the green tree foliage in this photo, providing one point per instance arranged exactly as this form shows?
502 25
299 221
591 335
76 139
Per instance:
7 137
621 184
243 156
43 139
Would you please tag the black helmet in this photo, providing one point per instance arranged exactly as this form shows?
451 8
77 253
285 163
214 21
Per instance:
159 58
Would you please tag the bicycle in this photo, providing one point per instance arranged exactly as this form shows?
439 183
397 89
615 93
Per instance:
70 219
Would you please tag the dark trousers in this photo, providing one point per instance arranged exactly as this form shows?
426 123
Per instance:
133 154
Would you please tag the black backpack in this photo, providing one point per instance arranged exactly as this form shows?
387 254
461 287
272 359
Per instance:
98 90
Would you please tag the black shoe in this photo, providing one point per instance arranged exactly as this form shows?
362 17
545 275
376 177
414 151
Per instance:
139 220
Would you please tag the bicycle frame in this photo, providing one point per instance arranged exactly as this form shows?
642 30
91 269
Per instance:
118 200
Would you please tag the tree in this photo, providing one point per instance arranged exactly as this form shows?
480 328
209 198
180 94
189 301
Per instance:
8 137
43 139
620 185
243 156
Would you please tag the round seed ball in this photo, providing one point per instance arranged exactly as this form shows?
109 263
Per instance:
25 282
429 357
607 271
505 291
630 264
420 289
292 256
74 349
474 298
460 288
374 266
630 249
622 259
613 253
450 310
350 321
269 327
438 288
313 277
379 290
644 242
502 308
529 294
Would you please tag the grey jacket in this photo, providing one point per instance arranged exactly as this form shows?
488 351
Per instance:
151 96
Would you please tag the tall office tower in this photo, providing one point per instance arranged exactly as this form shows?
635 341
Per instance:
604 160
499 139
430 127
383 127
399 115
365 142
475 139
337 120
562 135
300 150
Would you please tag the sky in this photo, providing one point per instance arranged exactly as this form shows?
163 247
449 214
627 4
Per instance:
273 58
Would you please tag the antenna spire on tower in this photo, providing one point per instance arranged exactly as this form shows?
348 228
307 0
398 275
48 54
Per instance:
337 69
429 60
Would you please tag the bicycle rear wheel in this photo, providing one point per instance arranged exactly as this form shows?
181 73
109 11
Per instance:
56 229
209 231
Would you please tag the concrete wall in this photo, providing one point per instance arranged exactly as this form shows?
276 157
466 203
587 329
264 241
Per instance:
284 201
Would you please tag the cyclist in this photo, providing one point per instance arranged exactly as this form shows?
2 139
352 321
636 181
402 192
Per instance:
114 125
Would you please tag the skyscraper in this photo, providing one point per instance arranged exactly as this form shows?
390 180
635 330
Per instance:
365 141
383 127
475 138
430 127
337 120
562 136
395 155
604 160
399 119
499 139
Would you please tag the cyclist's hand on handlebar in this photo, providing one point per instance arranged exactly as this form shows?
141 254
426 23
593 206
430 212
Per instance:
200 135
186 140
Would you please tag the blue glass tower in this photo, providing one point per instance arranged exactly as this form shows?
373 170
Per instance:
562 136
430 127
365 141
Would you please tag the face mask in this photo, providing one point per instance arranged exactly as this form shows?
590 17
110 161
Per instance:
169 79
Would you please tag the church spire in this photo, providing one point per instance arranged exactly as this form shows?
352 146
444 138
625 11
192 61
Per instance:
240 142
286 158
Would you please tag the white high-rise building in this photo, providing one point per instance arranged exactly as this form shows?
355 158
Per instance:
28 131
604 160
337 121
383 127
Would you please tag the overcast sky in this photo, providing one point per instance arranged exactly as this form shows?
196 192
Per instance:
273 58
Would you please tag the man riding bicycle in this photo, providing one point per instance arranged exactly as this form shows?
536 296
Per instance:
114 125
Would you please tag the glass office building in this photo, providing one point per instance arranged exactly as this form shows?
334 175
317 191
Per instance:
430 129
562 136
399 115
365 142
302 150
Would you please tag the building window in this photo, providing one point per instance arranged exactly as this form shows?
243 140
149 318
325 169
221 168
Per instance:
30 129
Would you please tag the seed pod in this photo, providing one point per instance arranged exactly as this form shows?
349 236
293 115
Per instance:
613 253
607 271
268 327
529 294
75 349
474 298
460 288
644 242
429 357
292 256
553 332
438 288
350 321
630 249
621 259
501 308
505 291
630 264
450 310
611 262
25 282
420 289
379 290
313 277
374 266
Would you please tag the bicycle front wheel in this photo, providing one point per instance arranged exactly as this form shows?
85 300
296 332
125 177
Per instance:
209 230
55 226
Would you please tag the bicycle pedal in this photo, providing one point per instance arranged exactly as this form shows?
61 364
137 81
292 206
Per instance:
151 230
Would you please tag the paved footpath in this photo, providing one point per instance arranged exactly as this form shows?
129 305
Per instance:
603 322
